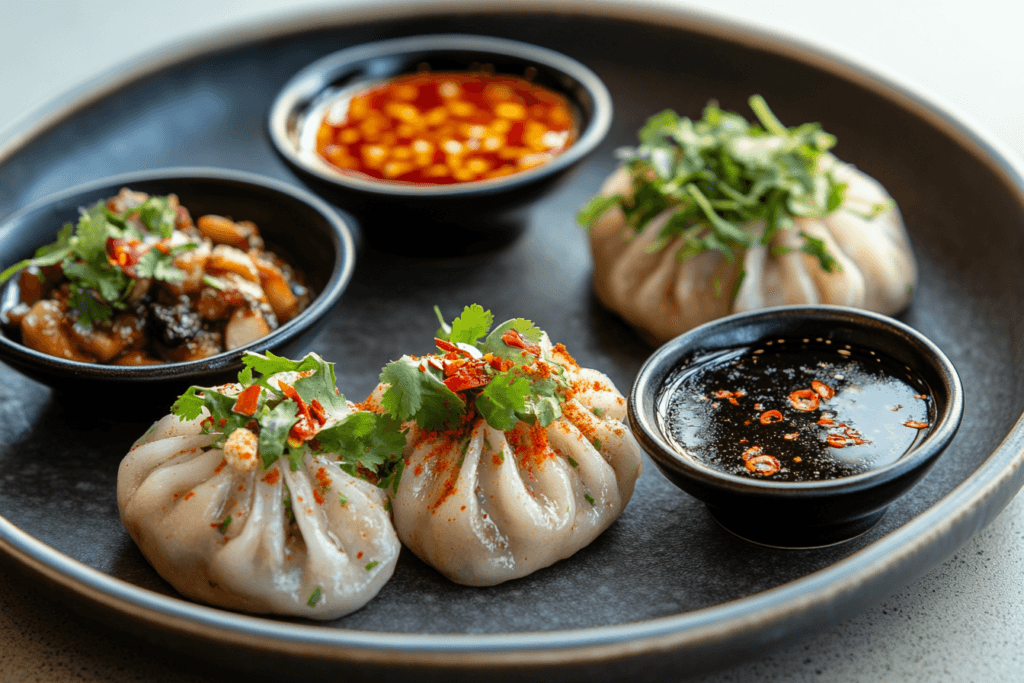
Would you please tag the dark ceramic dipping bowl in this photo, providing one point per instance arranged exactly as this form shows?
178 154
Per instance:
432 220
296 225
797 514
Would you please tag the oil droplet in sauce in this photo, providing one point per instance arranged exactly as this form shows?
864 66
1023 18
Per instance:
821 411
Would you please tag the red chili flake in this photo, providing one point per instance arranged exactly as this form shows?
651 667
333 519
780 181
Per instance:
222 465
448 346
826 422
514 339
318 497
125 254
318 412
921 396
770 416
765 465
822 389
793 436
359 555
836 440
798 459
804 400
272 477
248 400
189 494
914 424
466 376
751 452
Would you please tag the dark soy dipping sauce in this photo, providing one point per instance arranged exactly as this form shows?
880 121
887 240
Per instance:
863 411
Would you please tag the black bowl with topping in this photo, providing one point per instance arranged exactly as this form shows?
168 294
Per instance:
421 218
302 236
797 426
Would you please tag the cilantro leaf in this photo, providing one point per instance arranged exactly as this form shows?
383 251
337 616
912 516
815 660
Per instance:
420 394
503 400
157 215
364 438
274 426
471 325
189 405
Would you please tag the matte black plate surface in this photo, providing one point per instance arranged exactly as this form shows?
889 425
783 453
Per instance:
664 589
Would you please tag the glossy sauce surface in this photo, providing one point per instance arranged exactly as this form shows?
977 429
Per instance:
446 127
795 410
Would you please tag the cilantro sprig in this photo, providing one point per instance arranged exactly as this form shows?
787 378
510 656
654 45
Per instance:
722 172
99 284
502 374
361 440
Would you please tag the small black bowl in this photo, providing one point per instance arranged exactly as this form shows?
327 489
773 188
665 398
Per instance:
432 220
798 514
296 225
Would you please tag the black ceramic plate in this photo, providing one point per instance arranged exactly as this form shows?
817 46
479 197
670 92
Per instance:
664 591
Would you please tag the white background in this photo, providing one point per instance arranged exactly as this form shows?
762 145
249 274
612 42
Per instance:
964 621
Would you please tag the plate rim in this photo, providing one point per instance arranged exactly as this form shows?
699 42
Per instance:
933 535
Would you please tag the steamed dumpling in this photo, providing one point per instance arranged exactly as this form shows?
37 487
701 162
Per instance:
484 504
660 286
301 537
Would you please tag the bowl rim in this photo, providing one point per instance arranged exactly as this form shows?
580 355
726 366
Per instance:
302 89
344 265
650 381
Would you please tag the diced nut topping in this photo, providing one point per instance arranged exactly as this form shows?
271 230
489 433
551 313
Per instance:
242 450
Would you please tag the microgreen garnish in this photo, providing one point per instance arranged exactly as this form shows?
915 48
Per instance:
223 527
315 596
720 173
502 373
590 498
371 565
573 463
105 253
294 414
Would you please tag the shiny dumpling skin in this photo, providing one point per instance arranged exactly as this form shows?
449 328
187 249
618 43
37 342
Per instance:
488 514
664 298
173 496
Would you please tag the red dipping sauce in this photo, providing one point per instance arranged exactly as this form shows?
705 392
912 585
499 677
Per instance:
445 128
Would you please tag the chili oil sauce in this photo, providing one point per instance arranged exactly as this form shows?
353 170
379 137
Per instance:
795 410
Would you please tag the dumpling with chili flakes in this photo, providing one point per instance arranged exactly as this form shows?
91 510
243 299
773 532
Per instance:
517 457
267 496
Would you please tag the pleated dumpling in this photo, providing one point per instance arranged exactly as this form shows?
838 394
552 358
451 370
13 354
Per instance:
258 496
517 457
719 216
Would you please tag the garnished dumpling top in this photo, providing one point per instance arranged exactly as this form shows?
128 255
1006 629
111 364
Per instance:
517 457
267 495
717 216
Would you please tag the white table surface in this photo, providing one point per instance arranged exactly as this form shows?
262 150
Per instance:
963 621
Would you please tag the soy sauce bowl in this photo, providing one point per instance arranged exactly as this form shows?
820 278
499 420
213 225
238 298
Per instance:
796 514
434 220
302 229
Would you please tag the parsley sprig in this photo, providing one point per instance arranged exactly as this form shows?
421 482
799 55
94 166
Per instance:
361 440
100 285
722 172
502 373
